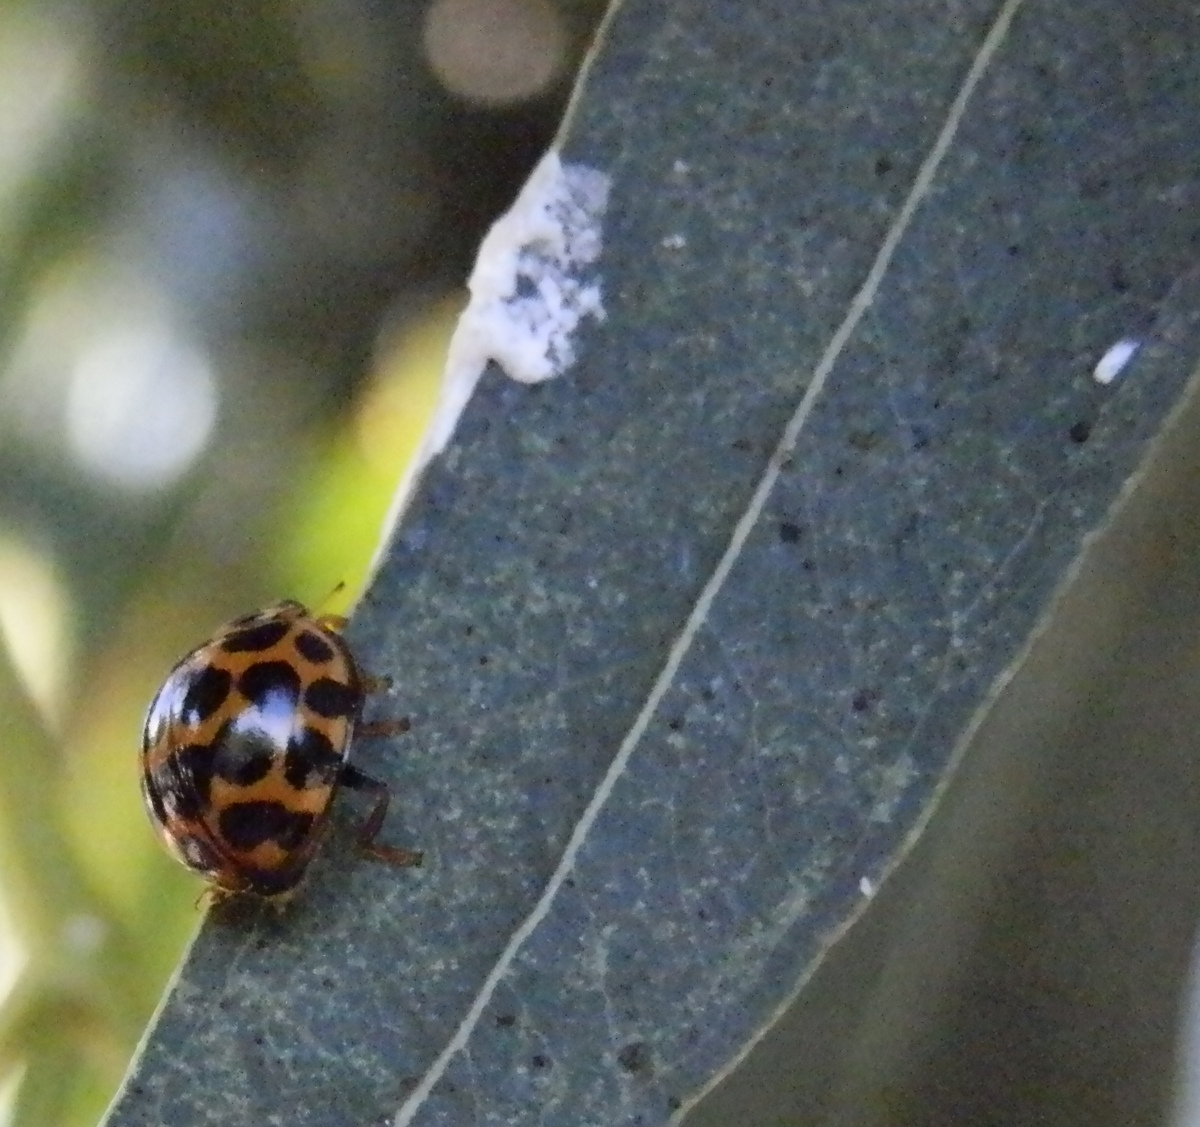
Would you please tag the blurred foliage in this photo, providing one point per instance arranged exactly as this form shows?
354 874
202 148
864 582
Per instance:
273 203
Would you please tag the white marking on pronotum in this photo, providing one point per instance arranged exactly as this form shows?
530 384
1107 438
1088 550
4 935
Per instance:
531 287
1111 364
858 306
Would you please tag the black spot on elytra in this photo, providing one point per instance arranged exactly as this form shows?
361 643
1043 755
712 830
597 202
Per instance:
331 699
635 1057
246 825
187 775
253 639
269 682
311 760
153 798
240 755
206 692
313 647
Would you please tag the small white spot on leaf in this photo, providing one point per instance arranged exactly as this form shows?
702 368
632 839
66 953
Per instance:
1114 360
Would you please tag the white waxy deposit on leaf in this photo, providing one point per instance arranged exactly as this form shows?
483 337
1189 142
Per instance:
530 289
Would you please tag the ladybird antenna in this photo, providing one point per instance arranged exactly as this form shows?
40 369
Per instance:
330 595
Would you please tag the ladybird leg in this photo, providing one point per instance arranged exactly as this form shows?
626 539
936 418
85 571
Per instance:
353 778
375 684
212 896
334 622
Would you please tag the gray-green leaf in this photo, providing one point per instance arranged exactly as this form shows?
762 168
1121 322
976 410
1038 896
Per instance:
692 635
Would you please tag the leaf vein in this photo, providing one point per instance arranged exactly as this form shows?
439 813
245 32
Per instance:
859 305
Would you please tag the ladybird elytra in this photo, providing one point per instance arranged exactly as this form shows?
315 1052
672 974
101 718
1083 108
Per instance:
246 744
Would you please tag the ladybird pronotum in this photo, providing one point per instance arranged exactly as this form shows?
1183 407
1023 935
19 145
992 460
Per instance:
245 746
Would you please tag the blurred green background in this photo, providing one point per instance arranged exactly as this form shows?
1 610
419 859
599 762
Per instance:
233 239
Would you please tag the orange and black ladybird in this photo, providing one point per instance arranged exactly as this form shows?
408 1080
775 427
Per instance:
245 746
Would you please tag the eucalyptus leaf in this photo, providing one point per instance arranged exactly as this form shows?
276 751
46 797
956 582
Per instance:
692 636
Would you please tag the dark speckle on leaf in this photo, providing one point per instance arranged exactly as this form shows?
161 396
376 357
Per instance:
1081 431
635 1057
538 1060
863 699
789 533
863 440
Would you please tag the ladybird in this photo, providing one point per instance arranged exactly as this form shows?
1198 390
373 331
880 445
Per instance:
246 744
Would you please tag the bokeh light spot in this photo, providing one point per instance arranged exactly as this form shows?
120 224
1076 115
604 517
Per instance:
495 52
140 408
34 617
